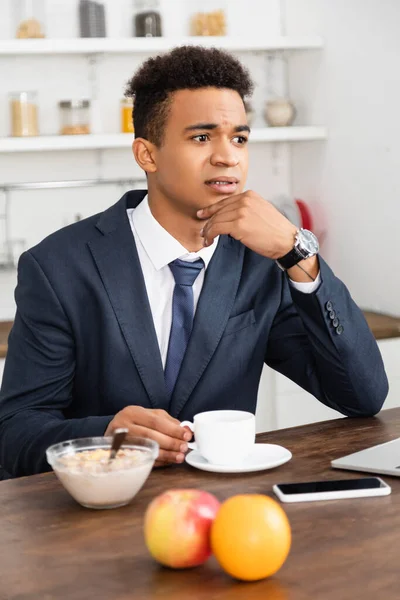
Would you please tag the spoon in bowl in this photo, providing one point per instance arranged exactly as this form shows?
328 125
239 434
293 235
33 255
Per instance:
118 439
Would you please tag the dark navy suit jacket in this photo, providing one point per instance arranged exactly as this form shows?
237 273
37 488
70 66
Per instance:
83 345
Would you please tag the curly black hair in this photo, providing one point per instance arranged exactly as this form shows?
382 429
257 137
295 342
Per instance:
185 67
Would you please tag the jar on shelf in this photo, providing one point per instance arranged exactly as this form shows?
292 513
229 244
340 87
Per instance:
211 20
126 115
147 20
24 114
92 19
29 18
74 117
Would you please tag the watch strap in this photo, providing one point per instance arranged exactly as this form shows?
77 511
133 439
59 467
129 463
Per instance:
290 259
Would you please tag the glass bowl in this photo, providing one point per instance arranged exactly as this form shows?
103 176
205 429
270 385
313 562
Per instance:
82 467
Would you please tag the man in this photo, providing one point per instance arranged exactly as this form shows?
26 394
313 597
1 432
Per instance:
169 302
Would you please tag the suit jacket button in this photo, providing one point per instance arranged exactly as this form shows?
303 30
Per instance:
329 306
335 322
332 314
339 330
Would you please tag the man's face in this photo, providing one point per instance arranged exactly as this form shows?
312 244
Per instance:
204 155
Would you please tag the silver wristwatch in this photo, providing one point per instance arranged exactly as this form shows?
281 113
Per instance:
305 245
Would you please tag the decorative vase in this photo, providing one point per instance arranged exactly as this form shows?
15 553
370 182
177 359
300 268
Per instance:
279 112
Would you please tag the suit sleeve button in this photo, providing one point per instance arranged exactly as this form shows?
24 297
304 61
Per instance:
335 322
332 314
329 306
339 330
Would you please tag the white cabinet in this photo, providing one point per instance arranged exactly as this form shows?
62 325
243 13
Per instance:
282 403
265 413
294 406
390 350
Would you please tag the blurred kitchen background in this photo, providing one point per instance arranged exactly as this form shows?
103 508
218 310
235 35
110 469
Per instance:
324 145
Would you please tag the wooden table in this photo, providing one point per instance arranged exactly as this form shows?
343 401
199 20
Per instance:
51 548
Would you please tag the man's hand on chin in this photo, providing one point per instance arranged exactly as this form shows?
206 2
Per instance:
252 220
249 218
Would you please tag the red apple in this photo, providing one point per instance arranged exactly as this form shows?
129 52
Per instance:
177 527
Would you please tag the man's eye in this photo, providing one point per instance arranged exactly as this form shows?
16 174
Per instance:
202 137
241 139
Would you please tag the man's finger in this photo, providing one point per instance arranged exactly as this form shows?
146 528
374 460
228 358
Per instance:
220 217
177 422
221 229
158 422
164 441
167 458
164 413
209 211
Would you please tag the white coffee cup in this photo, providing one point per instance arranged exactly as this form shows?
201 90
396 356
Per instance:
224 437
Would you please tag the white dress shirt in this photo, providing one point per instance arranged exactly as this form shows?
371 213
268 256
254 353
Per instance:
156 249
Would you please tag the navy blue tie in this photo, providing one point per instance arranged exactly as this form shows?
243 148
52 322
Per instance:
185 274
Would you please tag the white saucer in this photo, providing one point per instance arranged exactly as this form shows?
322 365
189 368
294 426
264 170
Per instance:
262 457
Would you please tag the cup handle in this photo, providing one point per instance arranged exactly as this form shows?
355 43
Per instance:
191 445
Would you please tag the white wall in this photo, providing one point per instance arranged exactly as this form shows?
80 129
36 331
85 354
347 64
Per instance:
353 178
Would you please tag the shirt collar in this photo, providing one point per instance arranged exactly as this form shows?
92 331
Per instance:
159 245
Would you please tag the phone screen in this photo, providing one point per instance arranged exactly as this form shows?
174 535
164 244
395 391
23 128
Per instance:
311 487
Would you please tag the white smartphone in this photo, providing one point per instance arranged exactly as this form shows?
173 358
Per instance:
331 489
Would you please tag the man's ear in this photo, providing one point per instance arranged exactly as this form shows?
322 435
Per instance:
144 153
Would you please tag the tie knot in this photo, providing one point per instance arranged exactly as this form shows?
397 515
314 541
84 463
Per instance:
185 273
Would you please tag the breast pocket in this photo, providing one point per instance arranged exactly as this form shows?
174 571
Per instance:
239 322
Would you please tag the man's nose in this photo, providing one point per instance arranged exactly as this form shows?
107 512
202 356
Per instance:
225 156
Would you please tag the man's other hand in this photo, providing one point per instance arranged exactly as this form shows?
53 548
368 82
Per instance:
157 425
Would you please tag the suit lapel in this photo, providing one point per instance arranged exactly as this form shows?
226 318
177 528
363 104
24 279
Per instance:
118 263
213 310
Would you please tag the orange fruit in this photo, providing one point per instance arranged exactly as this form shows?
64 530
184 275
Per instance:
251 536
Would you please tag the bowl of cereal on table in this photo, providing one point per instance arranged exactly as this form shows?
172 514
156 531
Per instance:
84 468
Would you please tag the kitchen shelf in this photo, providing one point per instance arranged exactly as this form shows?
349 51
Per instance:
288 134
65 142
124 140
151 45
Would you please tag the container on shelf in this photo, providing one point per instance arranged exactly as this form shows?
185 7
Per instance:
126 115
279 112
74 117
92 19
24 114
147 20
29 18
211 20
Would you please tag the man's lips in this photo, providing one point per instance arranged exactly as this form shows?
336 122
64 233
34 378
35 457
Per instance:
223 185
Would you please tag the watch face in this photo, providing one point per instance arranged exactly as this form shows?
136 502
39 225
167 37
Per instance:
308 242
